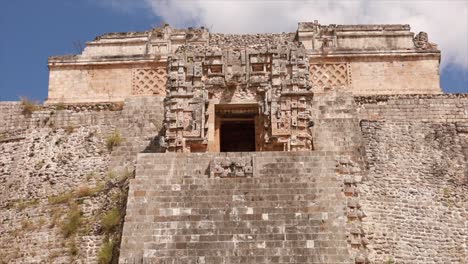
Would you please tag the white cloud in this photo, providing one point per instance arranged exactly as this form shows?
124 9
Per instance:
446 21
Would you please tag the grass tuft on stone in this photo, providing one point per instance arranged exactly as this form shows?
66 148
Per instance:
113 140
84 191
110 220
71 222
28 106
21 205
60 199
105 253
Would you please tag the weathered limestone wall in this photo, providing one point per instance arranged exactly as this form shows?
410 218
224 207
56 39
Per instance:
43 158
290 210
416 192
376 75
105 83
55 166
394 75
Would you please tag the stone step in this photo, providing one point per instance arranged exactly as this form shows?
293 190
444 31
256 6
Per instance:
291 206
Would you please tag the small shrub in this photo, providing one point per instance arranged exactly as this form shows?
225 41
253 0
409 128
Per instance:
110 220
127 174
23 204
99 187
105 253
72 222
59 199
28 106
113 140
84 191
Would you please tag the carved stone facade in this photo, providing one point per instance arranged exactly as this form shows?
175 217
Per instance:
275 77
226 167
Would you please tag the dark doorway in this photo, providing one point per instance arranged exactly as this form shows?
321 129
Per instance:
237 136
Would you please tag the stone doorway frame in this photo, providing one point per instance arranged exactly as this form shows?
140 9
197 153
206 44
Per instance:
238 112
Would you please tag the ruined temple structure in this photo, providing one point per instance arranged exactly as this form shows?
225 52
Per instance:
246 92
330 144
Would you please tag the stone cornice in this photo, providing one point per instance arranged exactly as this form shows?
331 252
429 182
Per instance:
356 53
58 61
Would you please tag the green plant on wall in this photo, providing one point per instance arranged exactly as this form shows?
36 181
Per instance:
28 106
110 220
72 222
105 253
113 140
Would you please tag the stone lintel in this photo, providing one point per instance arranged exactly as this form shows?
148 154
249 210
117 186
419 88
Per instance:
57 61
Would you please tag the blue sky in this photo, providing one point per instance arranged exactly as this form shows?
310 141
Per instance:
32 30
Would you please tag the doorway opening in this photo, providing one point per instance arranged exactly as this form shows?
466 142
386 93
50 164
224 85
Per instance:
237 136
236 127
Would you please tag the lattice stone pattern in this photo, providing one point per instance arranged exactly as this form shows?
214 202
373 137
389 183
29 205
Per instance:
330 75
151 81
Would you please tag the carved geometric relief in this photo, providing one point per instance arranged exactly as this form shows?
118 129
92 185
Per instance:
330 75
194 119
280 118
149 81
227 167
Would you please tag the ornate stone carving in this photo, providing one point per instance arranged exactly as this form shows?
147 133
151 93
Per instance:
276 76
149 81
228 167
330 75
421 41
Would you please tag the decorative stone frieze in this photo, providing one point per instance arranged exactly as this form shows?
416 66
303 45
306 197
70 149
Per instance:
228 167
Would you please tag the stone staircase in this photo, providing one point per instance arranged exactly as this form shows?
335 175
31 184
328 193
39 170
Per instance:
291 209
